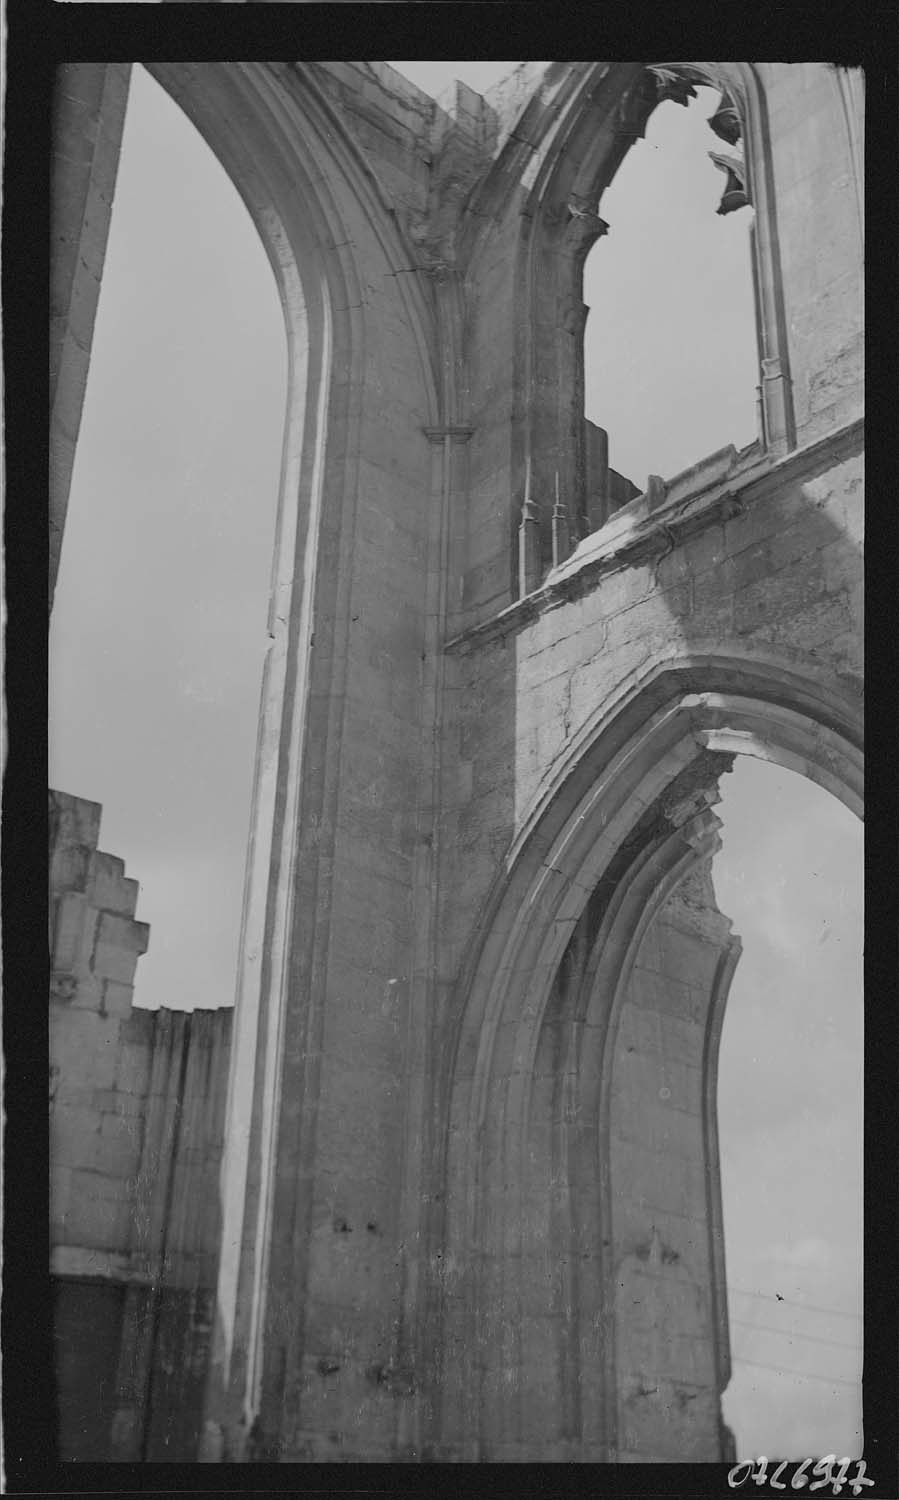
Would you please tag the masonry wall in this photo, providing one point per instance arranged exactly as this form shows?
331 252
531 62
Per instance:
88 119
779 580
137 1104
663 1170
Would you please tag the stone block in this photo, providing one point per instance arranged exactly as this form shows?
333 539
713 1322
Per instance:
486 588
688 956
114 1150
60 1195
110 961
683 1088
636 1080
683 1250
98 1214
118 1101
675 1428
117 999
349 1332
72 1129
366 1015
108 889
73 925
638 1030
82 1046
656 1179
69 866
360 1121
682 1040
653 1122
88 992
652 990
653 620
816 628
780 596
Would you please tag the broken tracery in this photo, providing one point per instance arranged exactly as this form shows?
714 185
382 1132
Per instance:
607 491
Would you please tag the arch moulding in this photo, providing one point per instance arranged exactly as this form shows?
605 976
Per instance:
618 826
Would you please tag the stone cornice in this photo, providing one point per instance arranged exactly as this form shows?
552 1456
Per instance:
641 531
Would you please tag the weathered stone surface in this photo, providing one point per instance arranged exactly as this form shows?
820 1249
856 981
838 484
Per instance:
487 1026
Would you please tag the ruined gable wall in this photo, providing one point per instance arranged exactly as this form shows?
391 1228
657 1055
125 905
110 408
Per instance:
137 1108
99 1050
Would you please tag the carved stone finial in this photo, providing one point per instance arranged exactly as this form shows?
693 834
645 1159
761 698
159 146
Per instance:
529 538
561 540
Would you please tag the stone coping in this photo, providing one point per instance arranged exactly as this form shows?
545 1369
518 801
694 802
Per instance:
666 514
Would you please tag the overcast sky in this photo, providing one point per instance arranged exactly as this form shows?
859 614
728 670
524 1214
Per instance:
158 638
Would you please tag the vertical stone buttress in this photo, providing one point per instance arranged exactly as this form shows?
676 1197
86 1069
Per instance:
89 102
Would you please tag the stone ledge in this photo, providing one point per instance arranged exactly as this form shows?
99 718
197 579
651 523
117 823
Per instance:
654 523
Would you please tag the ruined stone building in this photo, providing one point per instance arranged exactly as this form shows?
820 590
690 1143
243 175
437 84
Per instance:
445 1185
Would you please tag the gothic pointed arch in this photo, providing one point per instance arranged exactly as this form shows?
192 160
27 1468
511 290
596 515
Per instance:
622 822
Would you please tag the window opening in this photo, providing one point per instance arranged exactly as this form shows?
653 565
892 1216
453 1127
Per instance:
670 350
